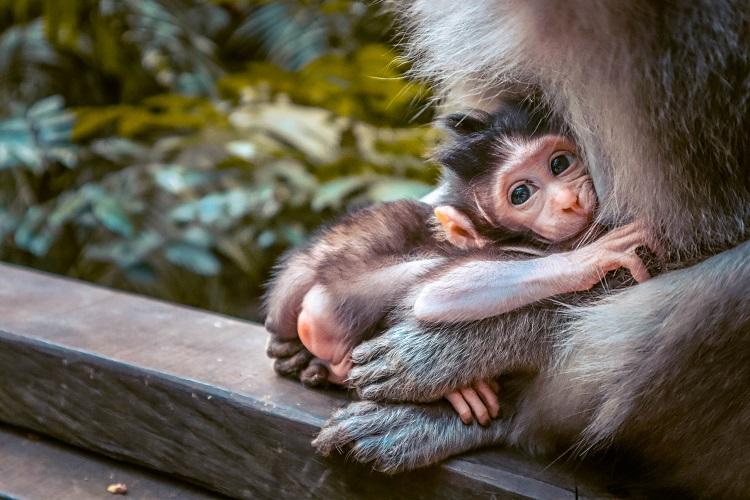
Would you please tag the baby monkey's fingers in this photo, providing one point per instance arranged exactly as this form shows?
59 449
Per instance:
611 261
459 404
479 401
634 235
637 268
488 393
478 408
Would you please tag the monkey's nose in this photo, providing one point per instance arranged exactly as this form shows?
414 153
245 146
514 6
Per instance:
565 199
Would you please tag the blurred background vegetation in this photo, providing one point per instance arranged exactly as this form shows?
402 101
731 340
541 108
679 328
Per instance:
177 147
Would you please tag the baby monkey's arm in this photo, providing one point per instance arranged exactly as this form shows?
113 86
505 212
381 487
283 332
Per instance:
477 289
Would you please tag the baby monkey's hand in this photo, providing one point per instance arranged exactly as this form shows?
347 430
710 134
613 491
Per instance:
614 250
478 401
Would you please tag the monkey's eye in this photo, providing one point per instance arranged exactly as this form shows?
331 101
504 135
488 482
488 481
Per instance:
521 194
560 163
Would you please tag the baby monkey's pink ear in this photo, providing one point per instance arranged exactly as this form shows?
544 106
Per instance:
458 228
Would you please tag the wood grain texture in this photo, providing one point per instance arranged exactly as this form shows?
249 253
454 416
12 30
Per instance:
192 394
33 467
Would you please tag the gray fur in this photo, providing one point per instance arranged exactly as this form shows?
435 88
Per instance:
657 96
394 424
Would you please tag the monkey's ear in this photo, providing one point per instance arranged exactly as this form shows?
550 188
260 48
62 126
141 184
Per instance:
459 229
462 124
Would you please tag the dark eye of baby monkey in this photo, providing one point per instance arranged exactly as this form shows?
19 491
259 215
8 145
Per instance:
560 163
520 195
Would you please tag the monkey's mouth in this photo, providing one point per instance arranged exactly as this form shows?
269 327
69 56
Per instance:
579 221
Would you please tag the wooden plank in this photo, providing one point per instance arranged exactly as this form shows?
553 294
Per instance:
35 467
192 394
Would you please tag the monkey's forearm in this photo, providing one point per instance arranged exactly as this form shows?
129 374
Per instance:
485 288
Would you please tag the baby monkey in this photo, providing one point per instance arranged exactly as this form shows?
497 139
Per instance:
514 191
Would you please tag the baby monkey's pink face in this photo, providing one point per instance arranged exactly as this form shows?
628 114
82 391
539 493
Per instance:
545 188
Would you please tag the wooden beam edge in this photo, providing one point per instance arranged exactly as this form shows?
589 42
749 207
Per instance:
236 444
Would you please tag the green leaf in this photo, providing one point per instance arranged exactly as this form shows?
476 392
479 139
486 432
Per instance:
196 259
266 239
197 236
141 273
126 253
295 234
176 179
32 235
119 150
111 213
69 207
26 231
211 208
8 223
46 107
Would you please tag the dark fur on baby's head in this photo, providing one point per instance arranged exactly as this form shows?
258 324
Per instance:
479 145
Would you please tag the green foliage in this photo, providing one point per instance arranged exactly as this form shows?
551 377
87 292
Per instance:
177 147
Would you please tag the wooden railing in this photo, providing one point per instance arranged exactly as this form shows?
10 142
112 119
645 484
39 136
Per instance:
192 394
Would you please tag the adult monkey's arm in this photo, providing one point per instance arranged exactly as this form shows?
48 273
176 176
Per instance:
656 95
604 387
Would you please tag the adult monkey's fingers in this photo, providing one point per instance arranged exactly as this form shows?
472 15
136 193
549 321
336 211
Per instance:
458 403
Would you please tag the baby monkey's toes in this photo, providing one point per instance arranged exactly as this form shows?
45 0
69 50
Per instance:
292 359
290 356
293 365
315 375
282 348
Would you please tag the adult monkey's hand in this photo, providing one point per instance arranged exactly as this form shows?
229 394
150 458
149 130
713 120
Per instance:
392 437
419 361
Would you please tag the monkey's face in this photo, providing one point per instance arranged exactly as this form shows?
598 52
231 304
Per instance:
543 187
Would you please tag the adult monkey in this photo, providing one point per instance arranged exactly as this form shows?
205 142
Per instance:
658 96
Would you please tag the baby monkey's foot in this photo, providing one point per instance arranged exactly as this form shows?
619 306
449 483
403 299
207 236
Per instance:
319 332
478 401
315 375
290 357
